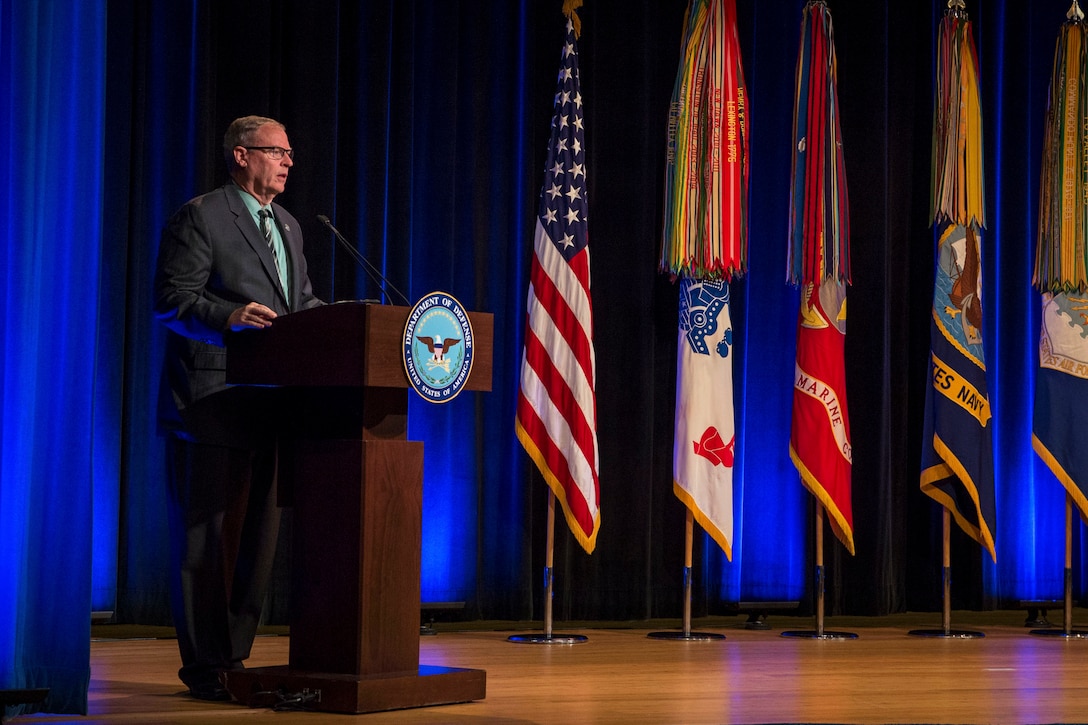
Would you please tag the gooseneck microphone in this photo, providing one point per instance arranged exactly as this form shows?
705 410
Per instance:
371 271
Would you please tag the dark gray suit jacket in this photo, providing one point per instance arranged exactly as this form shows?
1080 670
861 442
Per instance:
213 260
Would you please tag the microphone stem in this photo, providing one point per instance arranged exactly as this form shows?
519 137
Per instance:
362 261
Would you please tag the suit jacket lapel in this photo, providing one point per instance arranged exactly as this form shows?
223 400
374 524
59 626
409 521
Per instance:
244 221
292 244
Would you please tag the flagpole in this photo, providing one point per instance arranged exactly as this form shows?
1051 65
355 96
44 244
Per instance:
946 583
958 207
549 560
556 410
819 570
946 572
1067 630
548 637
686 635
819 260
1058 276
819 632
1067 615
704 246
689 535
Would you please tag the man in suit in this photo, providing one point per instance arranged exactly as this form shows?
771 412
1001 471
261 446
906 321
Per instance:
228 261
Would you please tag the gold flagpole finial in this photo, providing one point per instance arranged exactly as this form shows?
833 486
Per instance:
569 7
957 9
1075 14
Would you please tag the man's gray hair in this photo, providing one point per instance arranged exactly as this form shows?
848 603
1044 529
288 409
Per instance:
240 133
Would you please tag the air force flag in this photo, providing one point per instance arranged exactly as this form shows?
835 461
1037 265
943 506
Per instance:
1061 389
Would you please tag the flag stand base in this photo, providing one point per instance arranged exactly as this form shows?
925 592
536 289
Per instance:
819 632
685 634
1067 631
547 637
1071 634
946 631
812 634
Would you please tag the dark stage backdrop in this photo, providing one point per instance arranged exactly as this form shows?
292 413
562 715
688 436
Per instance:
420 130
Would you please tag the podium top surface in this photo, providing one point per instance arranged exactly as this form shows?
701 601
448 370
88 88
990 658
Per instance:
346 344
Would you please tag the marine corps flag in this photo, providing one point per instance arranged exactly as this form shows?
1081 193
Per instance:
819 257
1061 272
705 243
957 450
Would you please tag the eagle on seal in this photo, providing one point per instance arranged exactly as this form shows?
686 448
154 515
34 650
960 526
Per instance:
437 346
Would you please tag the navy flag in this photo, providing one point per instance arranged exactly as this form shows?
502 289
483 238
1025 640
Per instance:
957 448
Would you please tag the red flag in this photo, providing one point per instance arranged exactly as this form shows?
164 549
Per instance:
820 260
820 435
557 409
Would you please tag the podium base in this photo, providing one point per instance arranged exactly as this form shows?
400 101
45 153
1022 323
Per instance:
327 692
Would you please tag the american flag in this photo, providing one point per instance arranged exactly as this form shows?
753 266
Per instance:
557 409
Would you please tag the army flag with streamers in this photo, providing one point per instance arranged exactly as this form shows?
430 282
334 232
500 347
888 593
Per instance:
704 442
819 260
705 244
957 444
705 233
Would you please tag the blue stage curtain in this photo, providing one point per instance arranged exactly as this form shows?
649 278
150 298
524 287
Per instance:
772 522
59 395
481 95
1016 52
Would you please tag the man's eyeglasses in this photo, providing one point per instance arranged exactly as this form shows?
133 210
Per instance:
274 152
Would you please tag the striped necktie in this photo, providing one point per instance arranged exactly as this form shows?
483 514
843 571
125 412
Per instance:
266 230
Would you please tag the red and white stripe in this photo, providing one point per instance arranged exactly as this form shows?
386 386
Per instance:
557 410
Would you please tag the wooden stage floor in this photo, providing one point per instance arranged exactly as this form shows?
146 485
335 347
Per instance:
621 676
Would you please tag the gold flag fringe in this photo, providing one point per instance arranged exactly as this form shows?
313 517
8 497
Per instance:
569 7
958 186
1060 254
705 228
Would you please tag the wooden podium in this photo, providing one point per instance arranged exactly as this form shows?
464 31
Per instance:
356 486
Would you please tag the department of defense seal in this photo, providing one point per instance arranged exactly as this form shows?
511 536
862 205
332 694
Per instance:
438 347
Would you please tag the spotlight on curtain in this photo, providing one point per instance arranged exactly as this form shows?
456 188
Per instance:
53 62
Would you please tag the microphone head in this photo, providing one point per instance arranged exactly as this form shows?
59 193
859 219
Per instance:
323 219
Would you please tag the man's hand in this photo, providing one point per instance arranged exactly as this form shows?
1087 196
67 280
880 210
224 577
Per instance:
252 315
